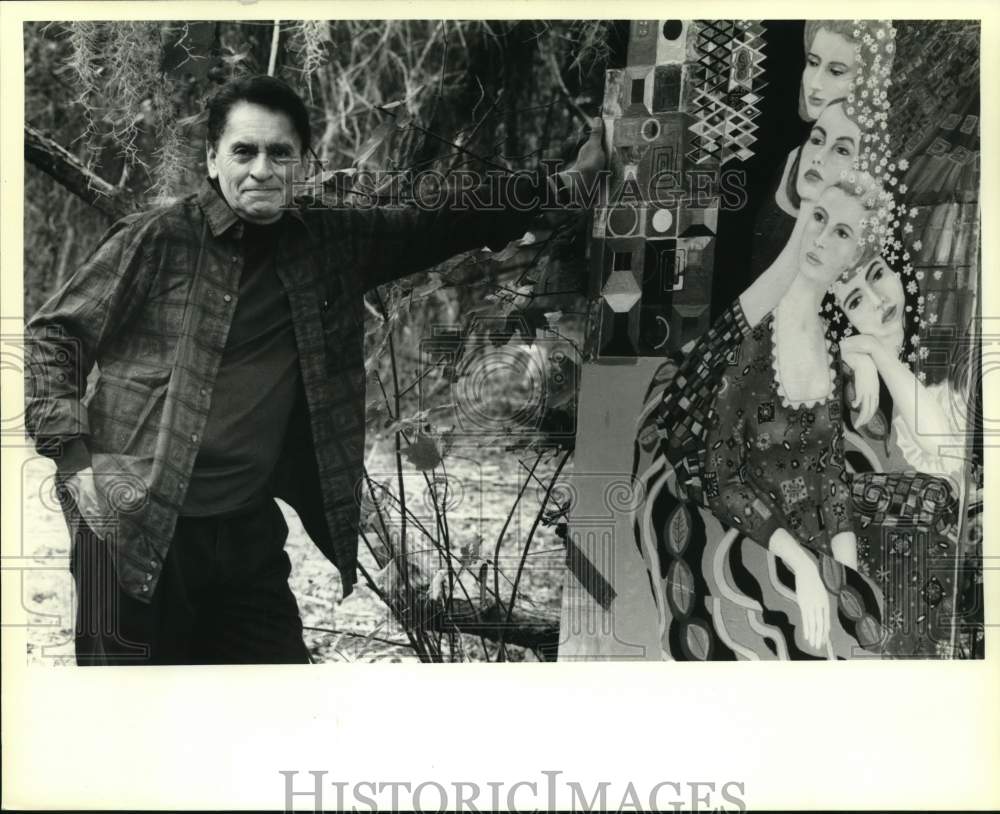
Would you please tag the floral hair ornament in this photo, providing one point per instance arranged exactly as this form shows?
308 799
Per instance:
887 226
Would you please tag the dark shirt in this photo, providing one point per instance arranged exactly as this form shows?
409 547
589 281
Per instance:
255 388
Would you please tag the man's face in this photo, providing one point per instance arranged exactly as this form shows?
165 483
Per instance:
255 161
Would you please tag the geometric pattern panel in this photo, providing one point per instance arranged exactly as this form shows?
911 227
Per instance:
686 102
726 84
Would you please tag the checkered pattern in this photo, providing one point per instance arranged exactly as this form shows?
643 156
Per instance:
898 499
687 405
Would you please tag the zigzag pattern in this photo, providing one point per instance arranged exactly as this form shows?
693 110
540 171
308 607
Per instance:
727 81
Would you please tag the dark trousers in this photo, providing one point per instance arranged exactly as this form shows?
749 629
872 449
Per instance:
223 597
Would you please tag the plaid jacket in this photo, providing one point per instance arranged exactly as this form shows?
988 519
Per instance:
152 308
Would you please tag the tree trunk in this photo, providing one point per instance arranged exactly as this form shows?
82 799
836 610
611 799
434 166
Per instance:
56 161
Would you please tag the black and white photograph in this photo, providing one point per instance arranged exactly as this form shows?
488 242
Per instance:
558 340
387 435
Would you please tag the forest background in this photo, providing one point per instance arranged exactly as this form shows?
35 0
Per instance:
472 365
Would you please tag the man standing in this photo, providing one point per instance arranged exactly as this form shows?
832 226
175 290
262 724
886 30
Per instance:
228 331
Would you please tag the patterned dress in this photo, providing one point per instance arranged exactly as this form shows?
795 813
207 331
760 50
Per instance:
721 595
771 465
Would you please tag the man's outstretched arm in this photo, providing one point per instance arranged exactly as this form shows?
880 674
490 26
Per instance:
392 242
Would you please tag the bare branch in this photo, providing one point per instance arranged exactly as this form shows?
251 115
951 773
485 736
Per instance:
60 164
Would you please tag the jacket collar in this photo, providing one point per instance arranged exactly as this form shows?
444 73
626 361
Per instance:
220 215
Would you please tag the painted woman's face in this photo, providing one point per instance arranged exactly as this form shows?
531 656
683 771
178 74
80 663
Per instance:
872 298
831 64
829 151
832 236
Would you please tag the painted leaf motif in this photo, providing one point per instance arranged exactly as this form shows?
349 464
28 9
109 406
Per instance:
851 604
698 641
681 582
678 530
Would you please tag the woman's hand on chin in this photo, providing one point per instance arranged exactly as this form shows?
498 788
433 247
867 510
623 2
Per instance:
861 344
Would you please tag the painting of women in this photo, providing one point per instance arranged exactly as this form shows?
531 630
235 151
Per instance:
834 60
905 425
717 596
774 473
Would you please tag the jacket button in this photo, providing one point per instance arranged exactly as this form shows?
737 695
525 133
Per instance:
228 298
326 305
144 588
194 437
204 391
149 577
154 564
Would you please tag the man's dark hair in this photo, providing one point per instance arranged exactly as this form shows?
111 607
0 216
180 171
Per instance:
266 91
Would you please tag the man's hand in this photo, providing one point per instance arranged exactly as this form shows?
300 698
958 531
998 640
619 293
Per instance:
581 177
82 486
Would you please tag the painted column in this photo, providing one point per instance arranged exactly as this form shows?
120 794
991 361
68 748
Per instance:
675 116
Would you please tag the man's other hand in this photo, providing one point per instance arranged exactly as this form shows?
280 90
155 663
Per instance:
82 486
591 158
582 176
